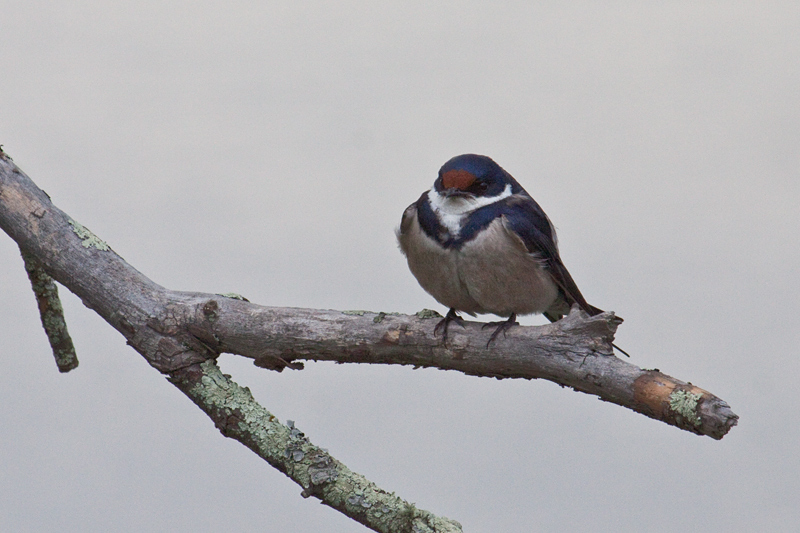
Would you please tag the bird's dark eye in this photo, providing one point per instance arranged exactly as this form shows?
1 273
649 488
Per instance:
483 186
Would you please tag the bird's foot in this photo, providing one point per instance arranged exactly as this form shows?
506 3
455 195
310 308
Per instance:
451 316
502 326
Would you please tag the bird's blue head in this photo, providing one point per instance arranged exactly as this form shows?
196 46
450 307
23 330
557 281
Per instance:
474 175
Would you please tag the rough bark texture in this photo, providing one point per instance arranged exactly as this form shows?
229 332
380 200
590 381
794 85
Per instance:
238 416
181 333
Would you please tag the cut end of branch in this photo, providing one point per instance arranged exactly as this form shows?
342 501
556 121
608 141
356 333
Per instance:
683 405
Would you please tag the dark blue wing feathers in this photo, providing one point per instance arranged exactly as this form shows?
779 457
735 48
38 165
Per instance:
525 218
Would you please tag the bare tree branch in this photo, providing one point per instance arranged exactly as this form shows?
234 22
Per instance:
51 313
239 416
575 352
181 333
153 320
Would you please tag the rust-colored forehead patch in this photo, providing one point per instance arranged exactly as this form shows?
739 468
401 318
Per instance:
458 179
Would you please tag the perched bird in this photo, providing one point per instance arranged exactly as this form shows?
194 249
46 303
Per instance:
479 243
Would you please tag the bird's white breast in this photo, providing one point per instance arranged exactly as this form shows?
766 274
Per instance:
501 275
492 273
435 267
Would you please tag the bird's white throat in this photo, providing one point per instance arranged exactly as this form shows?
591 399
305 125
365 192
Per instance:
451 211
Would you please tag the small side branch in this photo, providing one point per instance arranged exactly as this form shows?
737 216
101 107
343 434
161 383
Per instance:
238 416
51 313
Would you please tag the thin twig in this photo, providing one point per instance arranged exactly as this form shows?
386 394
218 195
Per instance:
51 313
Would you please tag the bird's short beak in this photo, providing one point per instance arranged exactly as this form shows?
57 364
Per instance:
455 192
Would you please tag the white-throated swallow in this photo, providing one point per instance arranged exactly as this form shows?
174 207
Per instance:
479 243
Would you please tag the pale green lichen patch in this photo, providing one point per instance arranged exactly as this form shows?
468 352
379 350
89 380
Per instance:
51 313
88 239
428 313
378 319
217 391
427 522
356 312
685 404
320 475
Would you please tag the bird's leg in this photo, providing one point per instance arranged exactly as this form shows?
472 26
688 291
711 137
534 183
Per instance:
502 325
451 316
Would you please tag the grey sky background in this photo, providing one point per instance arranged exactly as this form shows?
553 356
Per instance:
269 149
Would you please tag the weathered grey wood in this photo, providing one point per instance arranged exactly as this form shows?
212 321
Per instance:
574 352
155 321
181 333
